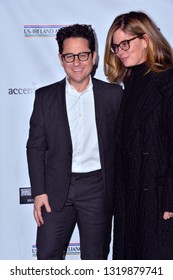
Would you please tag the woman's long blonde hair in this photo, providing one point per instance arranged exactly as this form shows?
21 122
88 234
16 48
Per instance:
159 51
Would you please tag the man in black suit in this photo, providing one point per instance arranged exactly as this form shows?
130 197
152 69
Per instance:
71 152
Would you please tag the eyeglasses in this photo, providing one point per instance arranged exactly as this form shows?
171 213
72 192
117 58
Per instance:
124 45
70 57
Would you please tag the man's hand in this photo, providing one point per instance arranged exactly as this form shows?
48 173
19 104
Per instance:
39 202
167 215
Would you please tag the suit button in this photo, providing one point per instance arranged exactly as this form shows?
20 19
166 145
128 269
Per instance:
68 174
131 187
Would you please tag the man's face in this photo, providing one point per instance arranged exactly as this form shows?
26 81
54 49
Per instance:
78 72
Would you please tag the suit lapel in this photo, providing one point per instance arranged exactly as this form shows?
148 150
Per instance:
98 115
97 103
61 106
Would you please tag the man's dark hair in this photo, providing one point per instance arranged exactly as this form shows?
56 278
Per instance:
76 31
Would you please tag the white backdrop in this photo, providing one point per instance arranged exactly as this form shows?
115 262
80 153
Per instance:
28 53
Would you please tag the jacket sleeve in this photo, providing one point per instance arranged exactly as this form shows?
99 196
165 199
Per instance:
169 194
36 148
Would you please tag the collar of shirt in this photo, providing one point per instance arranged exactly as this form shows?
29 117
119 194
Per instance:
71 90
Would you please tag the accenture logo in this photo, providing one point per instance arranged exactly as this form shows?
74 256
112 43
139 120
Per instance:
41 30
22 90
19 91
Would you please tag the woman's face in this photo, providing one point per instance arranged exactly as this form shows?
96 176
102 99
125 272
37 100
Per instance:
136 54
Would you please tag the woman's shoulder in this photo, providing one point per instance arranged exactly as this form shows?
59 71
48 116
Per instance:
163 78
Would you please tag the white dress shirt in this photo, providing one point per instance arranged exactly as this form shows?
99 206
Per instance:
81 117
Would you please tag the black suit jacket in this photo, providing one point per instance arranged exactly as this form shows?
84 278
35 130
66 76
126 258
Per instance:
49 147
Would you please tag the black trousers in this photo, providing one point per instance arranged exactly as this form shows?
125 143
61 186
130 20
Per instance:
85 207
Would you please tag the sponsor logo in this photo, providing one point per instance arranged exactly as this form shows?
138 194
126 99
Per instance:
73 249
34 251
41 30
21 91
25 195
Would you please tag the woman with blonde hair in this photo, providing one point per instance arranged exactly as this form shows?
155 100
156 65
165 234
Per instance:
139 56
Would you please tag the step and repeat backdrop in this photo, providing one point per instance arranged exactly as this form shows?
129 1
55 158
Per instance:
29 60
